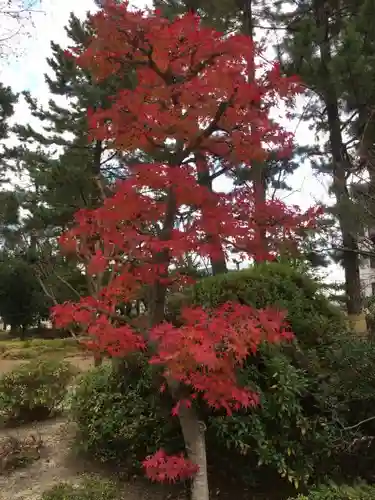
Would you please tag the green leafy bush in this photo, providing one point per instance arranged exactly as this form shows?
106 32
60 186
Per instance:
89 489
120 416
290 432
343 492
348 396
370 315
279 435
352 383
34 390
314 320
317 393
310 391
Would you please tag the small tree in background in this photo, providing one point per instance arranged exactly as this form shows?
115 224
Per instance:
22 301
192 106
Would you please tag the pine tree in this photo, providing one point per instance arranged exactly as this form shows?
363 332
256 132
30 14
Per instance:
9 205
315 46
64 142
67 171
7 101
356 66
224 15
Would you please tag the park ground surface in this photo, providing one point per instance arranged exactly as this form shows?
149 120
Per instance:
59 463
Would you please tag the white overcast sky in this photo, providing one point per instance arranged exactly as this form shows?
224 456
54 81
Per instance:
27 73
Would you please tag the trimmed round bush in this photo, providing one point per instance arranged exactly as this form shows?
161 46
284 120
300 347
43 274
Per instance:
343 492
34 390
291 432
120 416
314 320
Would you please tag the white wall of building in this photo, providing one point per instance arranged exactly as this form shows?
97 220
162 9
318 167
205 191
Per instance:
366 271
367 276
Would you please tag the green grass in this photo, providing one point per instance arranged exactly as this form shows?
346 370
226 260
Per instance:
31 349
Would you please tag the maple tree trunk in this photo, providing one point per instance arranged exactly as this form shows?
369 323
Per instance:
97 176
158 291
193 431
192 428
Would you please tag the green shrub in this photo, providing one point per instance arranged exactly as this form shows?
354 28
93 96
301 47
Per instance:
279 435
34 390
314 320
120 416
121 419
349 398
343 492
89 489
290 432
296 432
317 394
352 383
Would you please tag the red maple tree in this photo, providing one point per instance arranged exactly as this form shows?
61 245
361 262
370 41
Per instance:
195 111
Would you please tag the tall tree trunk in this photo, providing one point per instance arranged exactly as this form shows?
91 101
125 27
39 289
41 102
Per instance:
366 155
341 169
98 199
97 173
218 260
23 332
13 330
258 169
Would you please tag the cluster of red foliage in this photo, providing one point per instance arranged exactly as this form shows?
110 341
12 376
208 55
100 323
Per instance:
205 352
161 467
194 109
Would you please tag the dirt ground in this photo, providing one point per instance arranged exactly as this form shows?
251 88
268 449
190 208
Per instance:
58 464
31 481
